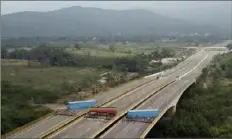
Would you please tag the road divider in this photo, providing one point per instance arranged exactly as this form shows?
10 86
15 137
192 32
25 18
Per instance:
81 115
122 114
102 133
162 113
69 121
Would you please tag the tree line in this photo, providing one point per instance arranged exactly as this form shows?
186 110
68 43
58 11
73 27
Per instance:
51 56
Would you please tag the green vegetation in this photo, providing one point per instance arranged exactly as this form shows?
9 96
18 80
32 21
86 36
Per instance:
32 77
52 78
18 105
205 110
25 89
101 56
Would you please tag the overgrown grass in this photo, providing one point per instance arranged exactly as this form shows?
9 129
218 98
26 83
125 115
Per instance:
18 105
24 89
52 78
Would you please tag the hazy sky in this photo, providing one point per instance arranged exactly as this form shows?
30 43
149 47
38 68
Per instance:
17 6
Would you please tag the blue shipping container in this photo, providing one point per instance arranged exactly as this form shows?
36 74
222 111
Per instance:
81 104
149 113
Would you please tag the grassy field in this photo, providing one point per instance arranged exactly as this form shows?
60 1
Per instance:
121 49
17 72
29 89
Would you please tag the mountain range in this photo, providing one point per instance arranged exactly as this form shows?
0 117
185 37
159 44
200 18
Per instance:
80 21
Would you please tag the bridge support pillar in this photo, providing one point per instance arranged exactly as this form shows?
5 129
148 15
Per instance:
170 112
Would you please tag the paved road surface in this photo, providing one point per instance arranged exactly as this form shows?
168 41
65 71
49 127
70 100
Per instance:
129 129
42 126
159 101
123 103
50 122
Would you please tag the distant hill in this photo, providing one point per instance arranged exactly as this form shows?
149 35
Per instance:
79 21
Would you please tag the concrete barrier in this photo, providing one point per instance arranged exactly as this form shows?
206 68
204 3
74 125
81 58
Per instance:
81 115
122 114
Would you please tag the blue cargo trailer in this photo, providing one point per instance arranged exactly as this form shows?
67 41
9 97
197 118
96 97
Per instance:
81 104
147 113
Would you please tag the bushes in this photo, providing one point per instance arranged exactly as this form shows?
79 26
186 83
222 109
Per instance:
12 117
17 110
57 56
21 94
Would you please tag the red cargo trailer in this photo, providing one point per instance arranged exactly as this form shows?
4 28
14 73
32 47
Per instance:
102 111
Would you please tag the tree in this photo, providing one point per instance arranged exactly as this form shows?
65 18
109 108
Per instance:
155 55
111 47
19 54
166 53
77 46
41 53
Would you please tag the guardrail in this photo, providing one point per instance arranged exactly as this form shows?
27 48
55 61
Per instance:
18 129
122 114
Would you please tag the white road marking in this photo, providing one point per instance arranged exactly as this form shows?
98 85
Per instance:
194 67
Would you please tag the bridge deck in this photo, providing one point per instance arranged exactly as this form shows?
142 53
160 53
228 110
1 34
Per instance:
160 101
131 129
122 104
42 126
47 124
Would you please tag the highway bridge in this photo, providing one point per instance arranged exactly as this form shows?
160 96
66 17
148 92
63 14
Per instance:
162 94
